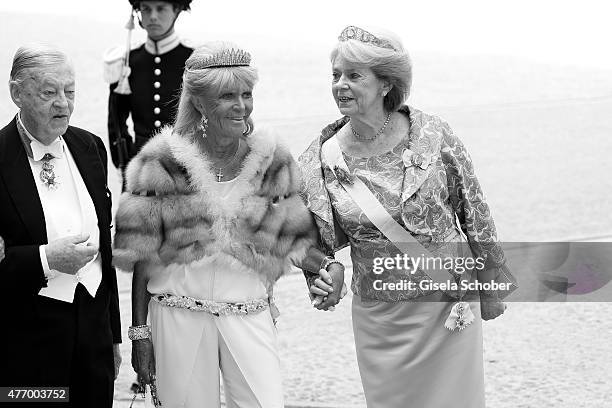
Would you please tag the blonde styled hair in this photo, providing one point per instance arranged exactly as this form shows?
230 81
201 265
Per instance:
207 83
393 66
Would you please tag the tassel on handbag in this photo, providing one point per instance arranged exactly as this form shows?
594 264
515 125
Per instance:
460 317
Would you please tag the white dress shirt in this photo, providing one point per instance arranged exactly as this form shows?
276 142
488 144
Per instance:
68 210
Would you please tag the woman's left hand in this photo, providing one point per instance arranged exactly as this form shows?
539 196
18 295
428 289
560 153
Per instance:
491 307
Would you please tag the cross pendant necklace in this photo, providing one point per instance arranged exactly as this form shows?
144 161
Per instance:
219 173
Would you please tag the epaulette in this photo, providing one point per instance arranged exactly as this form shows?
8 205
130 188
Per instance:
113 62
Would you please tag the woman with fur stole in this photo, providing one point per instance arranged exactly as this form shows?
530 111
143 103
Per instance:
210 220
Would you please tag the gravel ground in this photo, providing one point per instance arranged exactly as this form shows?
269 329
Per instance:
536 354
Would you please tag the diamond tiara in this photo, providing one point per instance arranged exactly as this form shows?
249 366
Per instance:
225 58
361 35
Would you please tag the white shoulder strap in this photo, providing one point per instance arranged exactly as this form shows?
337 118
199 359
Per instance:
376 213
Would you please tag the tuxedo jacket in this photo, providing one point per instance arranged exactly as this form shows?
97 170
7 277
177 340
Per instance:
44 338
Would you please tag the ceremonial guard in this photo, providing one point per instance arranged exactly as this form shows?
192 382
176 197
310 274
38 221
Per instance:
145 81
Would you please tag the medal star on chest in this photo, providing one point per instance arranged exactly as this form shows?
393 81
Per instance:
47 175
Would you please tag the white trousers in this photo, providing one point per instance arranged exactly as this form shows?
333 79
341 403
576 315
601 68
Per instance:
192 347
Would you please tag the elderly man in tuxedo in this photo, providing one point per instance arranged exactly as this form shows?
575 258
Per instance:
60 306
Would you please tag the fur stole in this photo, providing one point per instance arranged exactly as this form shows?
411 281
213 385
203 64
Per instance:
171 214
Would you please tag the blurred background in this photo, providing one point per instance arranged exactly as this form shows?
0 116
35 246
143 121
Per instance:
527 85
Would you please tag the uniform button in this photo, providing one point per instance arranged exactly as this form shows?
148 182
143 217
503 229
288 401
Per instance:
157 60
157 71
156 110
156 84
157 123
156 97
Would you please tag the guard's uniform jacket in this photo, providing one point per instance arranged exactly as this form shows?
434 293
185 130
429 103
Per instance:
155 82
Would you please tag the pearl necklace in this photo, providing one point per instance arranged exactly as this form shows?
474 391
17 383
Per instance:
380 131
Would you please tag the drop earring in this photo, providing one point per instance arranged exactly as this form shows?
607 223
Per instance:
203 125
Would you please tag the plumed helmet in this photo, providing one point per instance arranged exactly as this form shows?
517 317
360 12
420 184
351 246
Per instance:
183 4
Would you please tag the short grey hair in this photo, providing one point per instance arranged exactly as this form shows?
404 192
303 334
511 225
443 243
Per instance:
35 56
393 66
207 83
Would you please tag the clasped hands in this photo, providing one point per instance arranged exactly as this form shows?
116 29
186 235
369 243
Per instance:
327 290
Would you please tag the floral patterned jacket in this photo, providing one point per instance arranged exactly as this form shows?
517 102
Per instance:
439 188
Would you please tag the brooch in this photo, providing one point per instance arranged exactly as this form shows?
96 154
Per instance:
420 160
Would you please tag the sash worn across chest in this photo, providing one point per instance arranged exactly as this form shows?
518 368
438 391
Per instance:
397 234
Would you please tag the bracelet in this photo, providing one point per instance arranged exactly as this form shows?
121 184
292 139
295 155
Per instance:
328 260
139 332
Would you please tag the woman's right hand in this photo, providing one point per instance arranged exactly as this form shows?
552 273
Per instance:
143 360
328 288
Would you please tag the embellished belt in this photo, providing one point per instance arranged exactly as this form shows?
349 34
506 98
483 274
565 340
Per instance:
210 306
